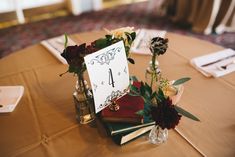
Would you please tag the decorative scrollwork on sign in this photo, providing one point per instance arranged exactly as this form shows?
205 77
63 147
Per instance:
106 57
114 94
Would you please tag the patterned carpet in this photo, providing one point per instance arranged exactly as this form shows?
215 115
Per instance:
18 37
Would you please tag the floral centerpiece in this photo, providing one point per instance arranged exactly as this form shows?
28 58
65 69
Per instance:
157 92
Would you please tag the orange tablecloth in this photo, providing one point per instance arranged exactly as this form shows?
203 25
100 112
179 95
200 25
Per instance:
44 124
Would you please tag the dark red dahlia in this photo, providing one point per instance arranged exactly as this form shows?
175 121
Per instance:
165 115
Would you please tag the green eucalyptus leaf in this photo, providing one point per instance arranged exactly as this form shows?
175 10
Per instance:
147 101
133 36
148 88
147 94
101 43
160 92
159 98
147 107
72 69
185 113
148 119
180 81
160 95
140 112
142 90
153 95
109 37
134 89
66 40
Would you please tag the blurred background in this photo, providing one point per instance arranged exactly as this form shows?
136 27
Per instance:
27 22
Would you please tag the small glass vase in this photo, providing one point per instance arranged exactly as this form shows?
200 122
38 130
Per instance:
152 75
158 135
84 103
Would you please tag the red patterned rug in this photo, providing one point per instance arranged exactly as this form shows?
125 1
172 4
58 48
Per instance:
18 37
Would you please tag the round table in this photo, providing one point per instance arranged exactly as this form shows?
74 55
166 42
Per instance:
44 123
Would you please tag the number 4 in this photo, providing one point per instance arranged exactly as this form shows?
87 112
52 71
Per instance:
111 82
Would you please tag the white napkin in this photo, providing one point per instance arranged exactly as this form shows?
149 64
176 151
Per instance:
56 46
9 97
143 37
211 64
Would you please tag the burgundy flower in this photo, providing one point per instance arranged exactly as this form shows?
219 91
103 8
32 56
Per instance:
74 55
165 115
91 48
158 45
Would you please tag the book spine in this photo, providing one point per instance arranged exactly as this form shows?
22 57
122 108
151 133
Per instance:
124 120
125 138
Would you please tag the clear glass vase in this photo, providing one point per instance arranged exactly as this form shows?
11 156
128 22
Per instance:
152 75
84 103
158 135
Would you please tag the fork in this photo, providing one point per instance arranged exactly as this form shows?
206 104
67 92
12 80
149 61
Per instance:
228 64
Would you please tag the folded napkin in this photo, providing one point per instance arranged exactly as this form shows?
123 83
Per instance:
9 97
215 64
143 37
56 46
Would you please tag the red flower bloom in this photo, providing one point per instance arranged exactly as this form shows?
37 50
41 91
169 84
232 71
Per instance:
91 48
74 55
165 115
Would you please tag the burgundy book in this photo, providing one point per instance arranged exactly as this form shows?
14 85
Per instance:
129 105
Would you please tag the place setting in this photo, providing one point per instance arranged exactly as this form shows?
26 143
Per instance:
215 64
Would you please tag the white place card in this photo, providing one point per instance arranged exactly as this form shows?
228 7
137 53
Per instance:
108 73
9 97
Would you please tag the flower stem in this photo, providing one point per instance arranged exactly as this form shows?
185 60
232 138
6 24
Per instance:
82 84
158 131
153 75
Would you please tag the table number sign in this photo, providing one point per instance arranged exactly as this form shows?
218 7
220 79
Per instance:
108 73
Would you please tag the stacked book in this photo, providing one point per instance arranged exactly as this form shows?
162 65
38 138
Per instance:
125 125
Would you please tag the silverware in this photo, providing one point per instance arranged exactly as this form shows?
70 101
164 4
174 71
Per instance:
228 64
219 60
